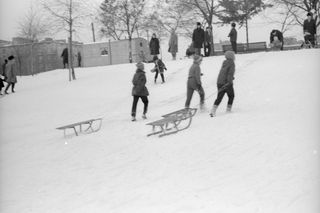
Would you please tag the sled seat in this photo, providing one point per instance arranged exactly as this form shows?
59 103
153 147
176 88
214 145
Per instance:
91 125
173 122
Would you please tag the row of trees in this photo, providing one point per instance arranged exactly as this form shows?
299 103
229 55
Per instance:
119 19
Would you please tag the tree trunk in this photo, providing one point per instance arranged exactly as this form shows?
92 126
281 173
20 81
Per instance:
71 68
247 32
130 49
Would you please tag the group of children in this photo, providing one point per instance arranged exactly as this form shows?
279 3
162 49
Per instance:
224 83
8 74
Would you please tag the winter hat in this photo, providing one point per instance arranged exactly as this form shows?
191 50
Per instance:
197 59
155 58
198 23
309 14
233 25
230 55
11 57
140 65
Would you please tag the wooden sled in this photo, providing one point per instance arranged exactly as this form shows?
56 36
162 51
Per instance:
78 127
173 122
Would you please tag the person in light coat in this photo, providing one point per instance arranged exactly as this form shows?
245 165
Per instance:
194 82
173 45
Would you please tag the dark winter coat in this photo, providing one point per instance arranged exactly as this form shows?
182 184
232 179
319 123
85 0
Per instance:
233 35
277 34
226 74
11 72
310 26
64 55
154 46
159 66
194 78
198 38
139 84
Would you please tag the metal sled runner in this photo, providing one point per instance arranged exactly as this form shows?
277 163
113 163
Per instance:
173 122
88 124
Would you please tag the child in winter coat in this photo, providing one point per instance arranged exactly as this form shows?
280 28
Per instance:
194 82
158 68
139 90
225 82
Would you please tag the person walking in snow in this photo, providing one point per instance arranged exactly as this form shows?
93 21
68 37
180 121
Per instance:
11 74
309 30
64 56
276 39
233 37
159 67
3 75
225 82
139 90
173 44
194 82
198 39
154 45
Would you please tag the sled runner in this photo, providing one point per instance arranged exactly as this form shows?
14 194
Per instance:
173 122
88 124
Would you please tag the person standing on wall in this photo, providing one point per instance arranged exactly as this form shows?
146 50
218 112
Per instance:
154 45
198 39
173 44
207 42
233 37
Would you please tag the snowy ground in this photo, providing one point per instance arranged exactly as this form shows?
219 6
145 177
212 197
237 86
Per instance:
262 158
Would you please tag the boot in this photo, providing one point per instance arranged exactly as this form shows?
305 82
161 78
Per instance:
133 118
229 108
213 111
144 116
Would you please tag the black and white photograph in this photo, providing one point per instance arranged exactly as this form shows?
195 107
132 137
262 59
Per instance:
159 106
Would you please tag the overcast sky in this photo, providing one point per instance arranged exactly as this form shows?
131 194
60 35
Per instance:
11 11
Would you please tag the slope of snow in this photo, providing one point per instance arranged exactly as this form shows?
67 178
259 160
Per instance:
262 158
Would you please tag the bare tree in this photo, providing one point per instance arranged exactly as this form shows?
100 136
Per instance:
299 8
124 18
33 26
67 15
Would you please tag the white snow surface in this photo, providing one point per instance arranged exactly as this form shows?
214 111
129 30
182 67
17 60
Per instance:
261 158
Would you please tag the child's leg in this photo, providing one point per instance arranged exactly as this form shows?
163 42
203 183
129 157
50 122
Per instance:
7 87
134 106
145 102
162 77
202 94
230 93
189 97
155 77
12 87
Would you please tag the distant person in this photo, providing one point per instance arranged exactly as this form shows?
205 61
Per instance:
233 37
64 56
11 74
225 82
79 58
3 75
198 39
207 42
173 45
154 45
194 82
276 39
159 67
139 90
309 30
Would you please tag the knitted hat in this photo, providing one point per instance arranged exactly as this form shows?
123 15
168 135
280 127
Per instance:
11 57
140 65
197 59
229 55
309 14
198 23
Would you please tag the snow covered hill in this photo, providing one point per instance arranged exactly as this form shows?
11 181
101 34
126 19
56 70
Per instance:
262 158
